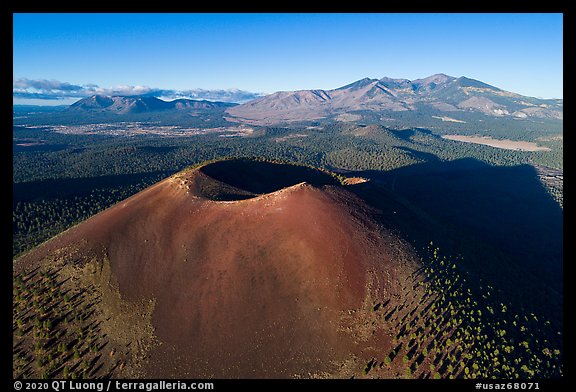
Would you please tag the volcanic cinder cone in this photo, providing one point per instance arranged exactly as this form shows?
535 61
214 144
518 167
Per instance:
248 269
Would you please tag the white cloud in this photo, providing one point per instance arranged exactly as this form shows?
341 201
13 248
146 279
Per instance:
55 90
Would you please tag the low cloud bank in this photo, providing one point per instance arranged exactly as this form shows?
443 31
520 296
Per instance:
55 90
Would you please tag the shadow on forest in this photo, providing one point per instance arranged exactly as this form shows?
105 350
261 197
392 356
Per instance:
425 156
27 191
500 219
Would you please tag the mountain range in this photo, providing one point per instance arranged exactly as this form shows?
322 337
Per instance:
136 104
439 95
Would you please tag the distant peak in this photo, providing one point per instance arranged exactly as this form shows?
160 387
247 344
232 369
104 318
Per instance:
358 84
441 75
395 83
468 82
387 79
436 79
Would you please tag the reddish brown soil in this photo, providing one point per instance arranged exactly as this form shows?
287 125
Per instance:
274 286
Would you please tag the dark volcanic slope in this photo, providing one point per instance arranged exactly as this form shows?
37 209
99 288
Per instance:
278 284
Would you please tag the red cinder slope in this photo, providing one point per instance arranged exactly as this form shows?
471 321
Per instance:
278 285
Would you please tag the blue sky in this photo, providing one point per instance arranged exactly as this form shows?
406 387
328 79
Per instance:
68 55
